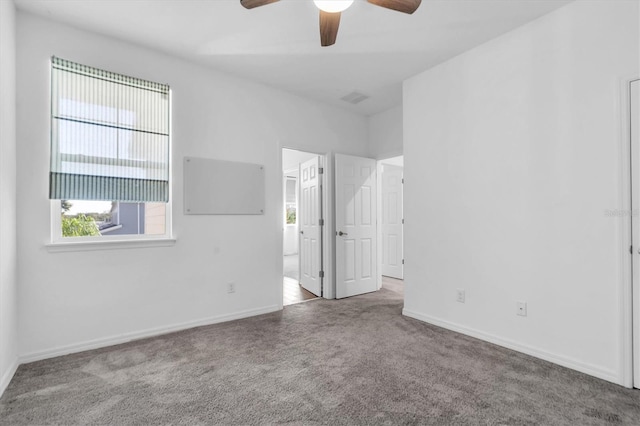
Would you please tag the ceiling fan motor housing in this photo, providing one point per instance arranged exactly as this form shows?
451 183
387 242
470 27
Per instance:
330 13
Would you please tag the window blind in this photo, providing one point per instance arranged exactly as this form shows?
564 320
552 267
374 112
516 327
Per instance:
291 191
109 136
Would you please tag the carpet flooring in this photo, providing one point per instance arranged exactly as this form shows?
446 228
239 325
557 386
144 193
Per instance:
354 361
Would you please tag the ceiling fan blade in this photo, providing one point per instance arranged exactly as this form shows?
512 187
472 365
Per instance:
250 4
329 23
405 6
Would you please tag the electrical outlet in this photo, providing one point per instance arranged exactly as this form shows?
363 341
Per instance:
460 297
231 287
521 309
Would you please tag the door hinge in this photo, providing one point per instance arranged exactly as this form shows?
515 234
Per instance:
630 249
320 170
321 274
403 221
403 261
321 222
402 180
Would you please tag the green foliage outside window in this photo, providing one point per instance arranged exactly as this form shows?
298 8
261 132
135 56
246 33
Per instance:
291 216
79 226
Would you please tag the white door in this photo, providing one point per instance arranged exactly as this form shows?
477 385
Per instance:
310 212
355 225
391 221
635 225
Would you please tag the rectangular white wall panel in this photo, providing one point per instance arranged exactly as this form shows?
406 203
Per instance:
223 187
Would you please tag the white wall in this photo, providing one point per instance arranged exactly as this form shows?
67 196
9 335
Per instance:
69 301
8 265
385 133
513 151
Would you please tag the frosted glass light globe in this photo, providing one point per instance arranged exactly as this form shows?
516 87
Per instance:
333 6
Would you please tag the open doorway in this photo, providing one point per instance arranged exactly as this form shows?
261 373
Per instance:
390 231
302 231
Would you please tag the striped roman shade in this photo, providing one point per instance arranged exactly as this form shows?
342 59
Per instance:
109 136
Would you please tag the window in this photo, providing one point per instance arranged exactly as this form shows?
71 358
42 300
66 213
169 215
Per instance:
99 218
290 200
109 171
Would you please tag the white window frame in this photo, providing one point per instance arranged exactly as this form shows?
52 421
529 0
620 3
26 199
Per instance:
59 243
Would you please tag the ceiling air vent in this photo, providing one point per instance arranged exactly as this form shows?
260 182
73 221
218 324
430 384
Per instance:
354 98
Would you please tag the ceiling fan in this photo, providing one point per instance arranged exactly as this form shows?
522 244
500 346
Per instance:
330 13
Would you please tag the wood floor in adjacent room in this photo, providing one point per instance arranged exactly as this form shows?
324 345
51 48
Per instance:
293 292
354 361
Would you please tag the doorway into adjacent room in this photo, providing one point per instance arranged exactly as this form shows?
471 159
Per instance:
302 226
391 229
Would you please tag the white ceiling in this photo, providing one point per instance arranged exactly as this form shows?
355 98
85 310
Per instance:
279 45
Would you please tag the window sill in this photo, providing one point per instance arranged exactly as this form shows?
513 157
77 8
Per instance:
109 245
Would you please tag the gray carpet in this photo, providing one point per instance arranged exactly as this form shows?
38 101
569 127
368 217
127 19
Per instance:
354 361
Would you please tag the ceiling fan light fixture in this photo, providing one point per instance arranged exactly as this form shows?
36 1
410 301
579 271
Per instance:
333 6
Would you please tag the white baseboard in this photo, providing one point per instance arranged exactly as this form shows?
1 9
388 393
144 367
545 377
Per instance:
152 332
592 370
8 375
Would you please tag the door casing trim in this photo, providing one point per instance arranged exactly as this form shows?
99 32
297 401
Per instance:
625 279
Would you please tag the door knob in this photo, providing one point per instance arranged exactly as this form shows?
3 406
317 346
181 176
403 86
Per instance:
342 233
302 232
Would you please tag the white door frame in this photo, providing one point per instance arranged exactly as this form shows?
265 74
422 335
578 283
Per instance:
328 283
625 232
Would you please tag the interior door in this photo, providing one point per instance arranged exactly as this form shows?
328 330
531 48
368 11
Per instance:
634 97
391 221
355 209
310 212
